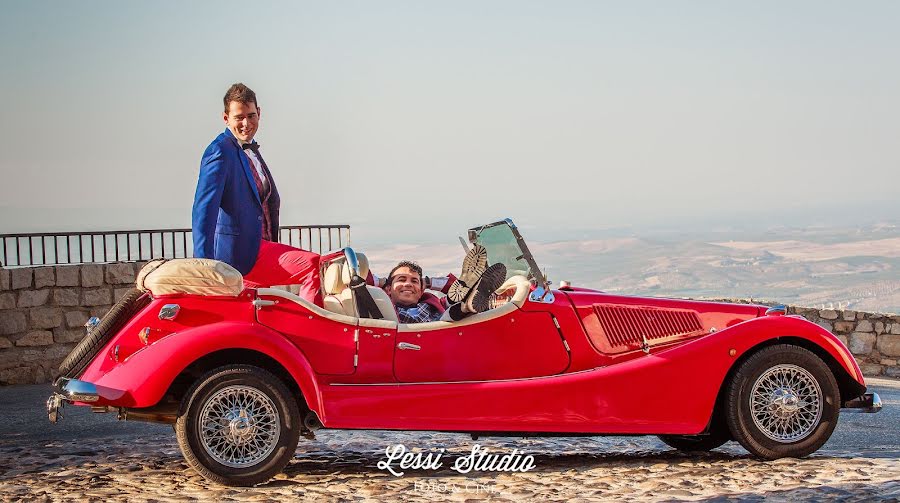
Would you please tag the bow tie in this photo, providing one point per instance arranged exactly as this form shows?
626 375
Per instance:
251 146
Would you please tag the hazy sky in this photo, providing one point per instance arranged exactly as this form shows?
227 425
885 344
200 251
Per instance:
416 118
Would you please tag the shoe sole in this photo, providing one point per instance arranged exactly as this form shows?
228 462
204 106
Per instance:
473 266
490 281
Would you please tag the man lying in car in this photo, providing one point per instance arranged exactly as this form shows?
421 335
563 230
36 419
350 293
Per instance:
406 287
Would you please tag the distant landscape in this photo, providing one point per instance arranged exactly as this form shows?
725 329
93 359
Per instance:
840 267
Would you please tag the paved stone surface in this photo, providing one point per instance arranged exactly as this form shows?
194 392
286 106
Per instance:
93 457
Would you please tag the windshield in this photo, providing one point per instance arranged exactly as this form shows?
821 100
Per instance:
505 245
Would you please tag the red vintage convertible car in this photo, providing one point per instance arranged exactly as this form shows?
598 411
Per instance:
243 373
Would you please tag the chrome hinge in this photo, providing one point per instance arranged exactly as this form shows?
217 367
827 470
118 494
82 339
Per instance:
555 321
356 335
566 344
355 360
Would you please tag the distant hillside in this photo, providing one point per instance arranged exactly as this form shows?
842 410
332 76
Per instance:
849 268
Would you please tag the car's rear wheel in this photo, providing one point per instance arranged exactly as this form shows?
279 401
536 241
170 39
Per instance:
783 401
239 425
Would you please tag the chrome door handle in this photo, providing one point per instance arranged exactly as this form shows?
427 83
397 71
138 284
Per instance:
406 345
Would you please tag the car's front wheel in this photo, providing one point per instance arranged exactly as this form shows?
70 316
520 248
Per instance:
783 401
240 425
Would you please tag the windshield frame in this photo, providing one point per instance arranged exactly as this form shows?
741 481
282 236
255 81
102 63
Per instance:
534 270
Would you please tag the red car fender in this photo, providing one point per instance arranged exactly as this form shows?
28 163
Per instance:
146 375
746 336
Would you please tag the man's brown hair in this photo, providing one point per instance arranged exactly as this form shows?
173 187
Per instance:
240 93
412 266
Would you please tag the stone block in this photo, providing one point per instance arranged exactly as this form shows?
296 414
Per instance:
892 371
879 327
887 362
65 296
119 274
4 279
895 328
12 322
91 275
98 297
118 293
843 339
56 353
100 311
828 314
844 326
36 338
888 344
21 278
17 375
63 335
45 317
861 343
864 326
7 300
33 298
5 343
76 319
871 369
44 277
826 325
849 315
67 275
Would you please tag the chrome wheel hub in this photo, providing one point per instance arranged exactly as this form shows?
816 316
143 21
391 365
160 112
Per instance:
786 403
239 426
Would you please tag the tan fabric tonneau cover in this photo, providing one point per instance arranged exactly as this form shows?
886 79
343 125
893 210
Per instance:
196 276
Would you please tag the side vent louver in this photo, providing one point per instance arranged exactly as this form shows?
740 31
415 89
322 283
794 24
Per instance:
625 327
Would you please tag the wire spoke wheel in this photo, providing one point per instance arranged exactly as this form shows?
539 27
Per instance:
786 403
782 401
239 426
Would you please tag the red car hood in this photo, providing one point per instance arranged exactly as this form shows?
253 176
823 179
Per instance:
620 323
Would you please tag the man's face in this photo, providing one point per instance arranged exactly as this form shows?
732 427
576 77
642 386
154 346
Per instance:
243 120
406 287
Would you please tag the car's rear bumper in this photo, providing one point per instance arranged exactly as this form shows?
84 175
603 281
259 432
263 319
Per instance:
73 390
869 402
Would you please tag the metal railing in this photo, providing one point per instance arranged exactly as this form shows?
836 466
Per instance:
56 248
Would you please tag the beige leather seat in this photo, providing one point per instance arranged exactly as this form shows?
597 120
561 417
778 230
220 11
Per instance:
339 297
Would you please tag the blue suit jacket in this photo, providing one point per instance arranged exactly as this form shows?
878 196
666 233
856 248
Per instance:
227 217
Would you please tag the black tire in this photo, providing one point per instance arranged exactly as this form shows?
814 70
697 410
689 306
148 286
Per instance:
695 443
206 453
810 420
112 322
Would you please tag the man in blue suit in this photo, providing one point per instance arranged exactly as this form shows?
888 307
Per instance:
236 206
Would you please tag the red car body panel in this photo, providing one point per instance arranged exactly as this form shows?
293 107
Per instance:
671 390
540 368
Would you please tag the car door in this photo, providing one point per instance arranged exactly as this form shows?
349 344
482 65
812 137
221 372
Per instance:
504 343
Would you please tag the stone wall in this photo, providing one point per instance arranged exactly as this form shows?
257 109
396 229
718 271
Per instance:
43 311
874 339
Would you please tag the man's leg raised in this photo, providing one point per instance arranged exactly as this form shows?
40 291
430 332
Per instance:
280 264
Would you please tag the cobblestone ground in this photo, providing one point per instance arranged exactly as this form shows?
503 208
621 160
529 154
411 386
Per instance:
341 465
